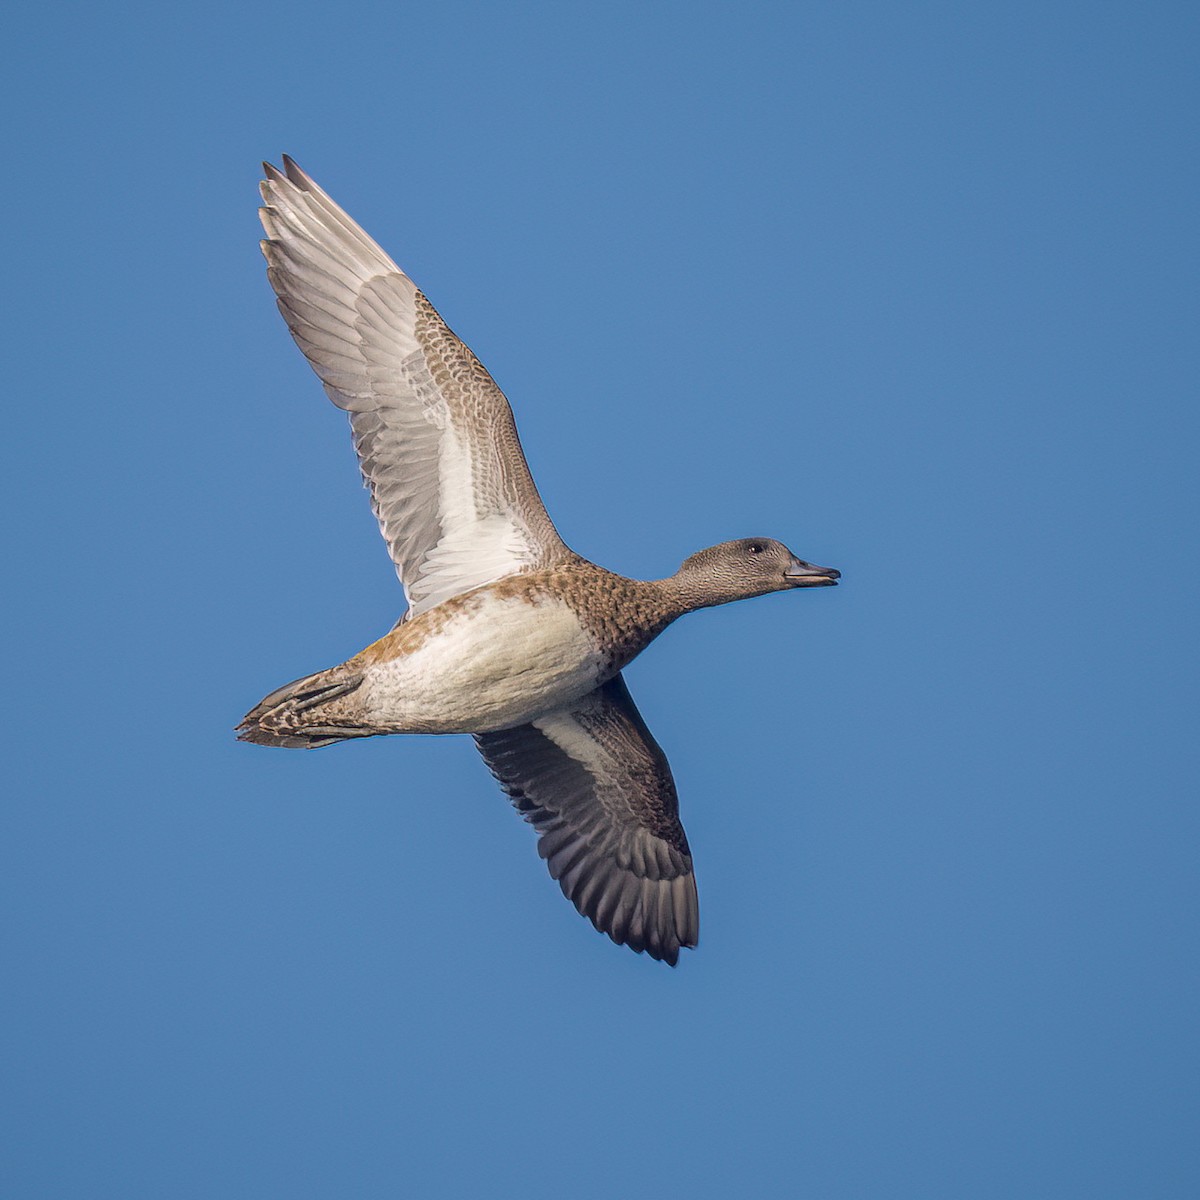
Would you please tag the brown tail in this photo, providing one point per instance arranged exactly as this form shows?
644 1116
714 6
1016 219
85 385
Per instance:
302 715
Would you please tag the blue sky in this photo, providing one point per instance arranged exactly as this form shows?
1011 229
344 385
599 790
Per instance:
911 287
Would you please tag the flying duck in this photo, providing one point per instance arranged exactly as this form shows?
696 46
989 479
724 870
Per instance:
509 635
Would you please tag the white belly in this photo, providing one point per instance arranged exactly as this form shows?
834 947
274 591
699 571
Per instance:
495 664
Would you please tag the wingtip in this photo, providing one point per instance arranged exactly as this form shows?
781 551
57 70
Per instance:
294 171
666 952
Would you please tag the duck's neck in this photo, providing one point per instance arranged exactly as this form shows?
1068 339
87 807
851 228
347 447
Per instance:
686 591
673 597
646 608
625 615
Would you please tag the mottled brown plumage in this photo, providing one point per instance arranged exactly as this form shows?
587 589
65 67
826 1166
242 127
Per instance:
509 635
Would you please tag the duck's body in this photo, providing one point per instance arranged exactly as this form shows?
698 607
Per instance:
494 659
510 635
491 658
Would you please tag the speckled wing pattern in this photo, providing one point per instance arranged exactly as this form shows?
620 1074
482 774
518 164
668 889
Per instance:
596 786
435 436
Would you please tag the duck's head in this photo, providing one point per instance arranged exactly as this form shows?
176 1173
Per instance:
747 567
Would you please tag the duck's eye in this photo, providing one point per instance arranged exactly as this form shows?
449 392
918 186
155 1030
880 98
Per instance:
756 547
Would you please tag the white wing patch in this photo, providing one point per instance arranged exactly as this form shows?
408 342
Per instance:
575 742
489 548
474 549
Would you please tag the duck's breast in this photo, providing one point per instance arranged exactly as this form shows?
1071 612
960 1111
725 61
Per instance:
491 662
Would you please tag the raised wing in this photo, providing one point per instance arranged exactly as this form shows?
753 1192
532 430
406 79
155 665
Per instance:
434 434
596 786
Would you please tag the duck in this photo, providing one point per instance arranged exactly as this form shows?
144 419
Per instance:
508 635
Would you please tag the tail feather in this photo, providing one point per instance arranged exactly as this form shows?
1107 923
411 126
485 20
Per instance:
304 714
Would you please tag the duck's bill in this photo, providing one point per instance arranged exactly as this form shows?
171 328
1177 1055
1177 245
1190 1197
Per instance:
802 574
